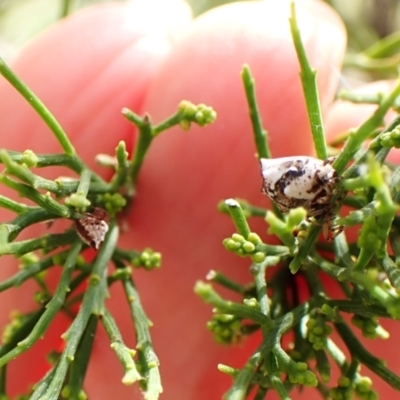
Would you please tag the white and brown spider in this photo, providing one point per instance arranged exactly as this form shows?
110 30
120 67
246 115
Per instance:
302 181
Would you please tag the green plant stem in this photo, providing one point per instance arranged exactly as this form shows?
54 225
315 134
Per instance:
258 271
76 330
358 307
40 108
44 201
260 135
359 98
43 384
48 160
84 182
171 121
221 279
208 294
280 388
386 299
23 173
384 47
342 252
81 359
144 140
47 242
121 176
147 357
51 308
31 270
380 153
360 61
12 205
238 217
33 216
356 138
310 90
305 249
323 365
3 379
392 271
238 391
358 351
124 354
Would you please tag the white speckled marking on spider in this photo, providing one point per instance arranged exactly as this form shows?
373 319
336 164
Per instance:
300 181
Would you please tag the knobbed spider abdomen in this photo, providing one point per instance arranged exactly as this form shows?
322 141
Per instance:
300 181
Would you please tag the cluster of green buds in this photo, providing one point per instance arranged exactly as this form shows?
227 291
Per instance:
318 332
346 389
387 139
113 203
226 328
147 259
66 393
298 373
200 114
370 327
243 247
363 388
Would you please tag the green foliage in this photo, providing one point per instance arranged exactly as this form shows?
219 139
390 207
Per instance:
365 272
91 205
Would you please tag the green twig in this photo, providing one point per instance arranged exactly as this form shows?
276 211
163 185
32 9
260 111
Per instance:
365 357
76 330
310 89
147 357
260 135
40 108
238 217
81 359
51 309
124 354
356 139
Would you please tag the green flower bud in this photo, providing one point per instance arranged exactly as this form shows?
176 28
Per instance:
78 200
29 158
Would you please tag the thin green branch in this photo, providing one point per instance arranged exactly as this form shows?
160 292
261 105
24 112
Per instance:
3 380
51 308
43 384
12 205
260 135
208 294
258 271
31 270
365 357
221 279
122 167
45 201
40 108
48 160
356 138
310 89
76 330
238 391
81 360
238 217
124 354
46 242
144 139
147 357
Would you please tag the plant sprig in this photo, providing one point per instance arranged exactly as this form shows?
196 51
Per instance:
364 271
88 202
